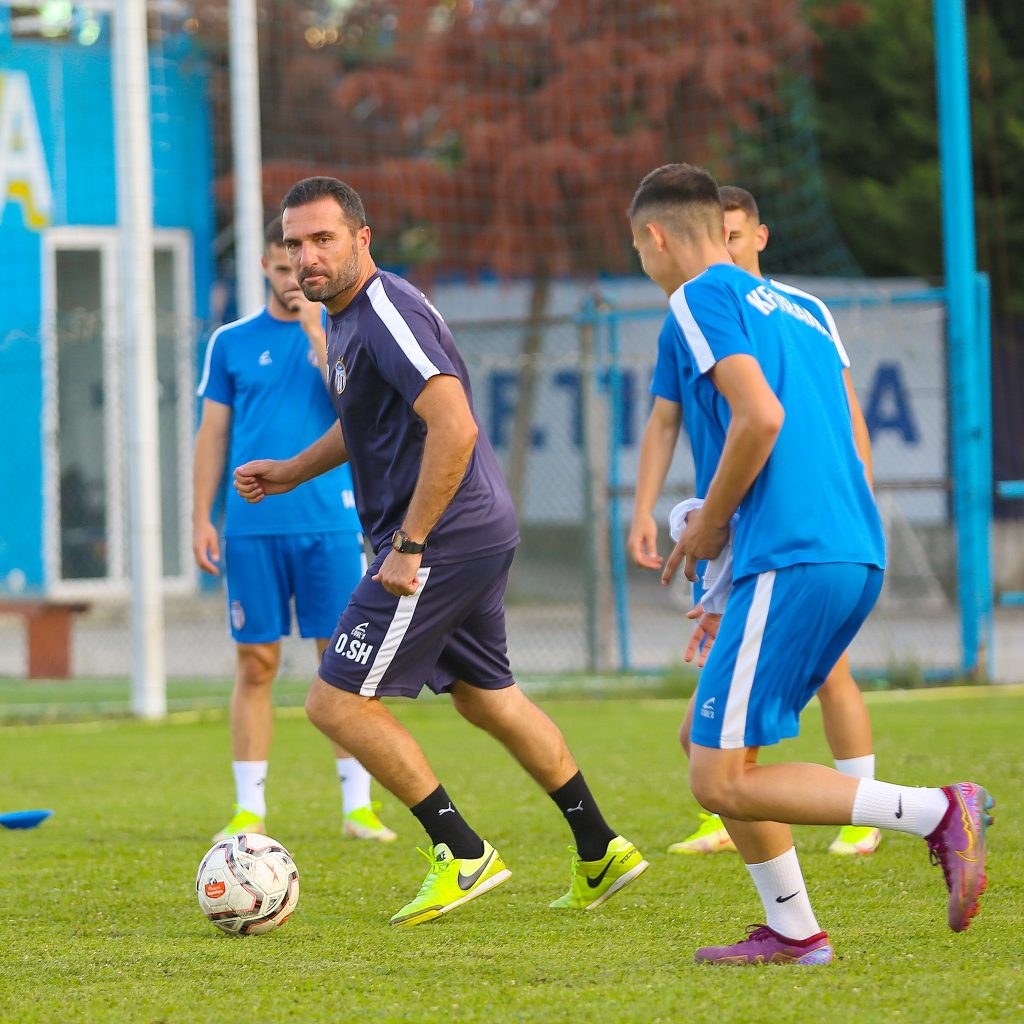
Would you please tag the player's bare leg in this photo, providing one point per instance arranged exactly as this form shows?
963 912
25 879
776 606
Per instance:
251 724
359 812
462 865
366 728
753 799
848 731
844 713
790 932
256 667
604 862
528 733
711 835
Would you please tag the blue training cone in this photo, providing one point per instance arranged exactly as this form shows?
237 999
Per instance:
23 819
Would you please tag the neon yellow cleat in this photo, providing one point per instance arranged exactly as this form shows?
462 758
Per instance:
711 837
593 881
452 881
243 821
854 840
363 823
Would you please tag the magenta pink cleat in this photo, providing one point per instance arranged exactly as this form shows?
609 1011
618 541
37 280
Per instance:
765 946
959 846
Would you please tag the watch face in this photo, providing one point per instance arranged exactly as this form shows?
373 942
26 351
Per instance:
402 542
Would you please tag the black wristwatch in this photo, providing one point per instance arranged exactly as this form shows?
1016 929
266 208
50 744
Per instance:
401 542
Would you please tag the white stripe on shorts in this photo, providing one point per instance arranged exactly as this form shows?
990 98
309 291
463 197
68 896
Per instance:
734 727
393 638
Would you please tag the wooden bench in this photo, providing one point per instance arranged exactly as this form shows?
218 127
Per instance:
49 633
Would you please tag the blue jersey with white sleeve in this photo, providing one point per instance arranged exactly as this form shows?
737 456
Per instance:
675 376
266 371
811 502
382 349
818 310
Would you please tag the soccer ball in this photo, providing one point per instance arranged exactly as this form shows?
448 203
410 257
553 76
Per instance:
247 884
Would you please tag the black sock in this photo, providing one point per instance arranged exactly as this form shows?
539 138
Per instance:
439 816
589 828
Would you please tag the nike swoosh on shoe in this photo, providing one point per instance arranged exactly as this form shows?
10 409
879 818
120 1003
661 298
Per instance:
466 882
595 882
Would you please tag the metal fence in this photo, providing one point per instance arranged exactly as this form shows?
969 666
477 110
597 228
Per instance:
564 401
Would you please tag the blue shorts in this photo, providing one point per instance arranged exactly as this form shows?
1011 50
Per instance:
452 628
781 635
319 570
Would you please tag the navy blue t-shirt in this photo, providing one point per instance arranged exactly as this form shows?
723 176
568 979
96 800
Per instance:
381 350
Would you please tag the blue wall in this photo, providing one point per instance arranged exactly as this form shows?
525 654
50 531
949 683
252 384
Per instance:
70 89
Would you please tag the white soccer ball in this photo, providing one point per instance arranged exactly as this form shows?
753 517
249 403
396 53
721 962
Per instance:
247 884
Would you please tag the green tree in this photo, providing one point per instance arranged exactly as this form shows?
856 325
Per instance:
878 128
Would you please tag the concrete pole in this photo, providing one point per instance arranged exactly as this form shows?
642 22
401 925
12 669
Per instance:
247 160
138 343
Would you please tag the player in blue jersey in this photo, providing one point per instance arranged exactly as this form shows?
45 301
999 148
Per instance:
430 609
808 557
844 713
263 391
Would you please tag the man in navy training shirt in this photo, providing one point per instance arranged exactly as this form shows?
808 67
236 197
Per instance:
263 391
808 558
430 609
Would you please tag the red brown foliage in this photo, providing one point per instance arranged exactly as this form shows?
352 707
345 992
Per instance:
514 133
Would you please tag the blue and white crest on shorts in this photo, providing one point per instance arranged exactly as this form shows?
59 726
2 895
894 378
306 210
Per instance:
340 377
237 615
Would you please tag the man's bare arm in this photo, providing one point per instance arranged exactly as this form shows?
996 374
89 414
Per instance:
451 438
656 450
447 449
211 448
861 437
756 419
311 320
261 477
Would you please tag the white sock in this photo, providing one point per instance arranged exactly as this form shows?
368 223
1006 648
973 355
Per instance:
857 767
355 784
910 809
780 884
250 779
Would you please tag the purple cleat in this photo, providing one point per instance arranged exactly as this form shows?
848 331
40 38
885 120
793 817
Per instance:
958 845
764 946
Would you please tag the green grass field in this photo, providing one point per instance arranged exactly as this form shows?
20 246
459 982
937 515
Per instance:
100 920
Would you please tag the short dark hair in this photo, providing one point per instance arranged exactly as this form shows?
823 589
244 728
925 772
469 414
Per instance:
684 196
309 190
273 234
735 198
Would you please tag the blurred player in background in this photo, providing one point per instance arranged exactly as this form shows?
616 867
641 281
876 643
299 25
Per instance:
844 713
263 390
430 610
808 557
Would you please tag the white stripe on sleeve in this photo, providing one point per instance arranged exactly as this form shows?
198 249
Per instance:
691 331
826 314
205 379
394 636
400 331
734 726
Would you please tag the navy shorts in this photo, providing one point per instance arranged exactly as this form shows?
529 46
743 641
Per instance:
782 633
264 573
452 628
